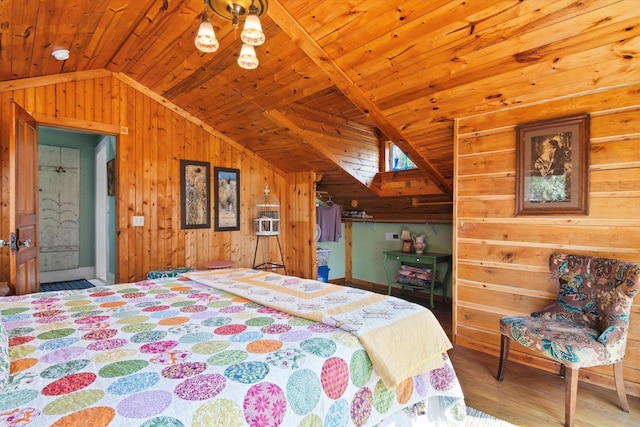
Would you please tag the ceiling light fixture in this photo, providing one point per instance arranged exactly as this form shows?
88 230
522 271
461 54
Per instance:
206 40
60 54
248 59
235 11
252 33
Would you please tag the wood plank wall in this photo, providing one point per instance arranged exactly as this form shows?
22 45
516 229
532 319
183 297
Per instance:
501 261
299 216
153 135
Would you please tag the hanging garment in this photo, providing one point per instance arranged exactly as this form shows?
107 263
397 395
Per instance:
329 219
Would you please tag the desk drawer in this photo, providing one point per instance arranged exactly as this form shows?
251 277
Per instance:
414 258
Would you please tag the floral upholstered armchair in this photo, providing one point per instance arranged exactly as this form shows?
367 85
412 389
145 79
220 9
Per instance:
586 326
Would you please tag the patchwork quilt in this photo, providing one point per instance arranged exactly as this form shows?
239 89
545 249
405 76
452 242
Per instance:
177 352
401 338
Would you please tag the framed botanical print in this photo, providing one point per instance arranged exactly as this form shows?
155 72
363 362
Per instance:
227 199
195 194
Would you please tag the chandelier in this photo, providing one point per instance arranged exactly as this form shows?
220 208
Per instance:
236 12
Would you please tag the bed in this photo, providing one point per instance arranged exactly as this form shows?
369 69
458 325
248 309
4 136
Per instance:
232 347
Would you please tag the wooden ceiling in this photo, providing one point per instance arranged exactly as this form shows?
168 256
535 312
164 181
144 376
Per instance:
336 77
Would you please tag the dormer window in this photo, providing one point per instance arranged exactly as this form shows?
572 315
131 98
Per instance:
396 159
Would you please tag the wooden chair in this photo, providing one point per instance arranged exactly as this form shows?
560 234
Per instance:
586 326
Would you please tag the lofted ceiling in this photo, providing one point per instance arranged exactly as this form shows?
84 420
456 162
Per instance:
337 77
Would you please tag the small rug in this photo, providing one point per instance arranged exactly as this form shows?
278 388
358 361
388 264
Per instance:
65 285
477 418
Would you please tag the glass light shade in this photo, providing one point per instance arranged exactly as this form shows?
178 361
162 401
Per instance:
206 39
252 33
60 54
248 59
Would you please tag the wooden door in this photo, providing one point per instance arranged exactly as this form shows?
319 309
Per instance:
23 204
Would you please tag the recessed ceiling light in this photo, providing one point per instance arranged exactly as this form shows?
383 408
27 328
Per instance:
61 54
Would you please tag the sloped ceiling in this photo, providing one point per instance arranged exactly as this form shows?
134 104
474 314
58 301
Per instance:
338 77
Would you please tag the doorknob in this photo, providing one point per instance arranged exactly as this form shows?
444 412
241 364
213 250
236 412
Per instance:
15 243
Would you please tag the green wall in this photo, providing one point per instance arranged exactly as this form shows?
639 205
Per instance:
86 143
369 241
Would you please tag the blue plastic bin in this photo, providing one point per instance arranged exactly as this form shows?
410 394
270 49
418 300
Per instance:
323 273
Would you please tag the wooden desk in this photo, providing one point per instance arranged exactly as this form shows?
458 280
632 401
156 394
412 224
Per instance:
429 260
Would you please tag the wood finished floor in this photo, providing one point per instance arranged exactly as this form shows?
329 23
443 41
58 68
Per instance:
527 396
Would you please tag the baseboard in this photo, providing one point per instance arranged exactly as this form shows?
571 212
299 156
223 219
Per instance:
62 275
395 291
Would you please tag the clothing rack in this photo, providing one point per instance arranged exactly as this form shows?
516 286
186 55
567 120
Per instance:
323 198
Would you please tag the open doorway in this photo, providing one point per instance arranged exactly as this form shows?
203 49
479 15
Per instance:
77 228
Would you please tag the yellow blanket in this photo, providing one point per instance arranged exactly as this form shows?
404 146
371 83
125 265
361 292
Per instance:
402 339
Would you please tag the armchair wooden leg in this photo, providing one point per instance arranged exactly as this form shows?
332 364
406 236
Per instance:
504 355
570 395
622 395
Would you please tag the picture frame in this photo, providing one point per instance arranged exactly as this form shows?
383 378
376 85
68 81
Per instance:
111 177
406 246
195 194
226 199
552 166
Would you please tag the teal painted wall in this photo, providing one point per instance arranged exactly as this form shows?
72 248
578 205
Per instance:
86 143
336 256
369 241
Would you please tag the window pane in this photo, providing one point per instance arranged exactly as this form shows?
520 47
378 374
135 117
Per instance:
399 160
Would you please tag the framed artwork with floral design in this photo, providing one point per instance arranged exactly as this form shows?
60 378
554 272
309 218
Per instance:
227 199
195 194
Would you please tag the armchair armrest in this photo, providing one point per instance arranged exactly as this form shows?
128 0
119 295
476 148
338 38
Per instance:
614 329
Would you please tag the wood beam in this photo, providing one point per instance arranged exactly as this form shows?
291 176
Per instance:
308 45
316 142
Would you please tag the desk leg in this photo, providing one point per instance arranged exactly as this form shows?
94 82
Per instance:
433 282
446 278
386 273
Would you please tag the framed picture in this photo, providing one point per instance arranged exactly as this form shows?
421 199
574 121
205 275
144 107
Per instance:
195 194
406 246
227 199
552 166
111 177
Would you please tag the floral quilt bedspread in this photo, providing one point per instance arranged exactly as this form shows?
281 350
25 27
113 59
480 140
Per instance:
174 352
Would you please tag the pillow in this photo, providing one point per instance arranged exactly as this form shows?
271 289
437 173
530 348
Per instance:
4 356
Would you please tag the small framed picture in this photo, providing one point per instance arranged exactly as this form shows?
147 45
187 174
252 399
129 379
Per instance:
194 194
226 199
406 246
111 177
